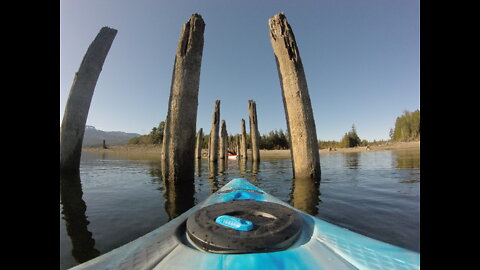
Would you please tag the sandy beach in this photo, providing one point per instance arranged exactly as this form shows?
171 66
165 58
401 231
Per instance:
154 151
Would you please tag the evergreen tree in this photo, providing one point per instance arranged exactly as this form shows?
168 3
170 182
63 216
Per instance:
407 126
154 137
276 139
351 139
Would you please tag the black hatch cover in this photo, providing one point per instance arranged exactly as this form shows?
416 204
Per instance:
275 227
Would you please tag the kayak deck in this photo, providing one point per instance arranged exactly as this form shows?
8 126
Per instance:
321 245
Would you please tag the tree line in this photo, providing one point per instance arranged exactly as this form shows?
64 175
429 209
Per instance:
350 139
154 137
277 139
407 128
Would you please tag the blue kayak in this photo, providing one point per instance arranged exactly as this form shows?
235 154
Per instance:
242 227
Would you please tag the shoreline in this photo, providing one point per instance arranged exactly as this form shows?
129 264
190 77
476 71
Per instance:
154 151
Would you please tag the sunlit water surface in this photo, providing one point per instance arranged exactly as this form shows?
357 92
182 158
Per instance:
119 198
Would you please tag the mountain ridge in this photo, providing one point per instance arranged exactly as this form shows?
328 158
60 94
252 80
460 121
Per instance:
94 137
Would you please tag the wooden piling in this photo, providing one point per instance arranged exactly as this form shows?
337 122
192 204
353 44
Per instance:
243 141
237 145
296 100
223 145
180 125
198 167
213 145
164 154
254 134
79 99
198 146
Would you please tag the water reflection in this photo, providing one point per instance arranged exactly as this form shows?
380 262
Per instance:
407 159
73 210
222 171
222 165
255 169
242 164
352 160
381 196
305 195
212 176
179 195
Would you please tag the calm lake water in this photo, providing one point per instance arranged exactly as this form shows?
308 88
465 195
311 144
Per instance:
118 198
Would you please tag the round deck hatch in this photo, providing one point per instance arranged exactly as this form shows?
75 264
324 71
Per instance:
275 227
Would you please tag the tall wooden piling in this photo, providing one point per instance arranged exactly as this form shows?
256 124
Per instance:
223 145
180 125
163 154
213 145
237 145
198 146
79 99
296 100
243 141
254 134
198 167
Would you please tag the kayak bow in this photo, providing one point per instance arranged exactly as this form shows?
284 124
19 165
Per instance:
242 227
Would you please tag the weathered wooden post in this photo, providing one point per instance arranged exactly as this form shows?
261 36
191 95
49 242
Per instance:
213 145
212 169
237 145
223 145
243 142
163 154
198 146
79 99
254 134
221 165
198 166
296 100
180 125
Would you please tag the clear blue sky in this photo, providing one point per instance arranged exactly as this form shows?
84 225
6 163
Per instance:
361 59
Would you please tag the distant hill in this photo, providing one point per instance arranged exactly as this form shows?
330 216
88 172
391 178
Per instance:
94 137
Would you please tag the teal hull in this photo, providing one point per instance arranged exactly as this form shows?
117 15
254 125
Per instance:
321 245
